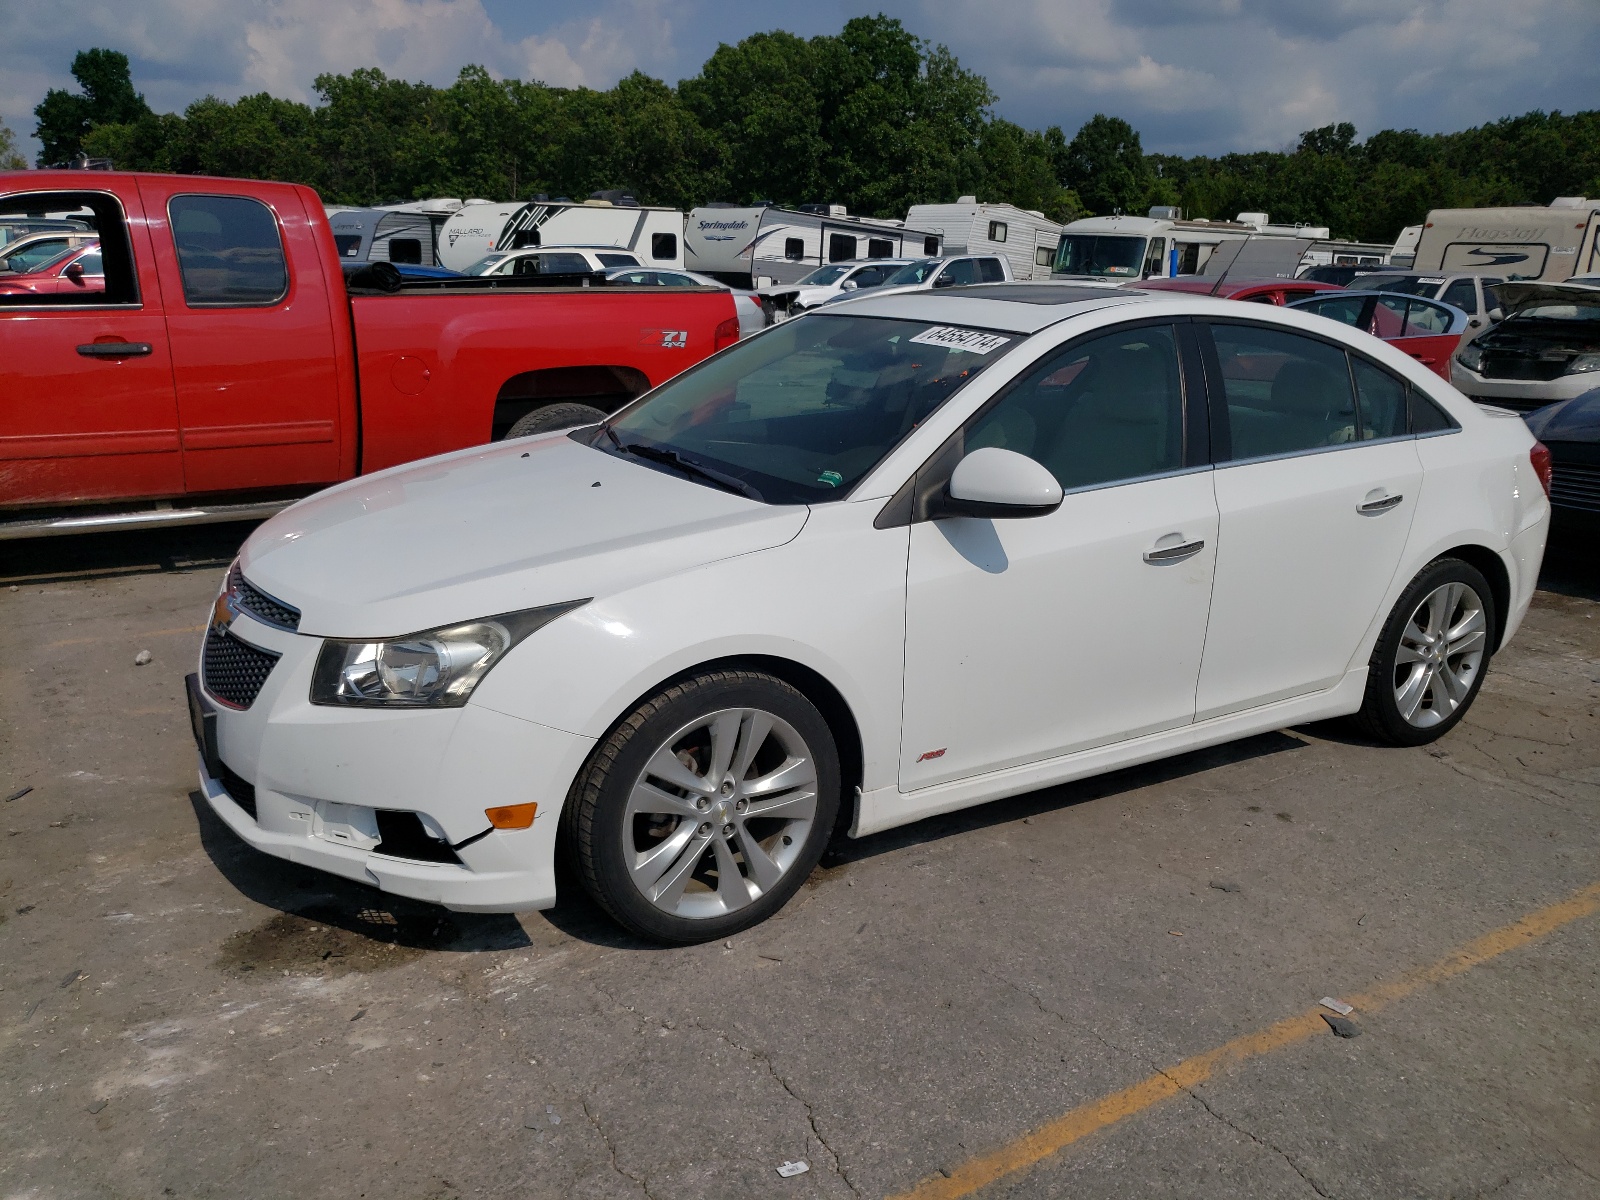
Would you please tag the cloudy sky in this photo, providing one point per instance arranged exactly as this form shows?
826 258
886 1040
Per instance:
1194 76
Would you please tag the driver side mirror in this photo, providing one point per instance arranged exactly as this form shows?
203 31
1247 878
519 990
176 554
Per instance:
996 483
945 281
1496 315
74 272
849 285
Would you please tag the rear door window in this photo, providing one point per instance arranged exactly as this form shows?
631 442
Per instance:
230 253
1284 392
1345 309
990 270
1426 320
1382 398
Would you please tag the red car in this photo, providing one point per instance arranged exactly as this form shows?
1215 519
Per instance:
1428 330
1261 291
79 271
218 358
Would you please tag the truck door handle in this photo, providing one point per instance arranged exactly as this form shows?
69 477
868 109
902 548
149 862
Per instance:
115 349
1172 554
1381 504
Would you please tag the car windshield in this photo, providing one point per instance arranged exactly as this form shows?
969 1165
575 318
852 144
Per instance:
1396 283
914 272
1098 254
803 412
823 276
481 267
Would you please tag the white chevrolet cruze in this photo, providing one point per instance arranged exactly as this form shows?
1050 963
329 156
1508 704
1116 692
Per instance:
901 557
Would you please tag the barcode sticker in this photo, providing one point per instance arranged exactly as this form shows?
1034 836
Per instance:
952 338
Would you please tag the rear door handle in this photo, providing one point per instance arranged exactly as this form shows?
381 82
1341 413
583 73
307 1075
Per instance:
1172 554
115 349
1381 504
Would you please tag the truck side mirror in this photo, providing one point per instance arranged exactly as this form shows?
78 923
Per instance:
945 281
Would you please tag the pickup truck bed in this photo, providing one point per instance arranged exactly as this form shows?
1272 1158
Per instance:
223 367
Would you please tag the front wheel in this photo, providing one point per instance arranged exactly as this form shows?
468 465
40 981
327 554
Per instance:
707 806
1430 659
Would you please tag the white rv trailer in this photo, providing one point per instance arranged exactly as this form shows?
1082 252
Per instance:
1026 239
763 245
1404 252
402 233
1551 243
1113 250
655 235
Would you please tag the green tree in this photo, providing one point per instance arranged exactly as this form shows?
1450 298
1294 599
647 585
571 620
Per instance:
108 98
11 159
1105 165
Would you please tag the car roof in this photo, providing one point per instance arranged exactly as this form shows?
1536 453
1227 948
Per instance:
1015 307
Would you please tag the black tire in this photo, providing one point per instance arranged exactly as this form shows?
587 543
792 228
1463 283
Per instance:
1380 717
555 416
596 829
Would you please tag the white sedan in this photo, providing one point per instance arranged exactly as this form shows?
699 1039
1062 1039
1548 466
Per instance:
868 566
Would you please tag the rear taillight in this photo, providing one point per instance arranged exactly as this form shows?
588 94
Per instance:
727 334
1539 456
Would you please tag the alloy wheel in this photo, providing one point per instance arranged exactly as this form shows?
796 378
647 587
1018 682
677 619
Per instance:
720 813
1440 654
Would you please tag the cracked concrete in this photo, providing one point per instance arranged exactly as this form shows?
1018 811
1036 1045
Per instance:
243 1027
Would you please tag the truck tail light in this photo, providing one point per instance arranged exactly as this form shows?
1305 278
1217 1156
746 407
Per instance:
727 334
1539 456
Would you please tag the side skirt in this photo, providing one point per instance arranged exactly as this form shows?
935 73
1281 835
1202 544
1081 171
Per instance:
885 808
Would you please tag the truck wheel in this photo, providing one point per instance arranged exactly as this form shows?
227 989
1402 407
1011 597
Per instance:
555 416
707 807
1430 658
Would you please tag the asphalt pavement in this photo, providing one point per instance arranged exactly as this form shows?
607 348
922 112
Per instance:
1108 989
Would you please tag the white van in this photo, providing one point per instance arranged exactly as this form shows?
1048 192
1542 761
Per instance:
654 235
1025 238
1549 244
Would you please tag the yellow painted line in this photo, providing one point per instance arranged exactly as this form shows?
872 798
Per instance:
1034 1147
117 637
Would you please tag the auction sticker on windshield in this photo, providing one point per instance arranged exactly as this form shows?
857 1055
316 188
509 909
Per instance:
952 338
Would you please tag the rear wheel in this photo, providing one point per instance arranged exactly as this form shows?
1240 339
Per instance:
1430 659
707 807
555 416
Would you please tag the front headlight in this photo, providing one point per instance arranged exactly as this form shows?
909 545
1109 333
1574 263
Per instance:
437 668
1582 363
1470 357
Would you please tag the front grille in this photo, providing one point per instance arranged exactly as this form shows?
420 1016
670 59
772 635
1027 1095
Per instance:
243 793
1575 485
232 671
1521 366
260 605
1514 403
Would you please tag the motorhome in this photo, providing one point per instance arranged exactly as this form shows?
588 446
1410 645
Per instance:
1025 238
758 246
1115 250
655 235
1551 243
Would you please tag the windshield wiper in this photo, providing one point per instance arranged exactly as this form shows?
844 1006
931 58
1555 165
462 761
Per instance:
688 466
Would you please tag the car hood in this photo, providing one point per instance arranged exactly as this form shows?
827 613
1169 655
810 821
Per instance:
1574 420
1514 297
496 529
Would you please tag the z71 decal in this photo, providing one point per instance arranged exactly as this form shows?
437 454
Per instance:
665 339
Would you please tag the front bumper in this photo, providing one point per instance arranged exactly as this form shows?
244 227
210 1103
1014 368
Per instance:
319 773
1524 395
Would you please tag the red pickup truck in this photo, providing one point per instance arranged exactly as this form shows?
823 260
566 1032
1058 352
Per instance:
223 367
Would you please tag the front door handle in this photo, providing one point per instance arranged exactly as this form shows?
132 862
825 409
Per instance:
1380 504
1171 554
115 349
